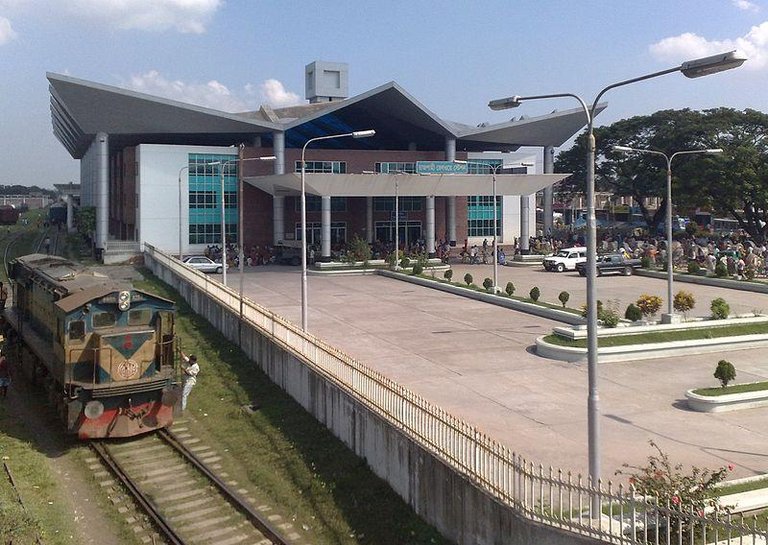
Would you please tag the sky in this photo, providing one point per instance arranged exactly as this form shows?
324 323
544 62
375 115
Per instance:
453 56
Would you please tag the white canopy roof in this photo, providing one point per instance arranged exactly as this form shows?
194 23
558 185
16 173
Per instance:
413 185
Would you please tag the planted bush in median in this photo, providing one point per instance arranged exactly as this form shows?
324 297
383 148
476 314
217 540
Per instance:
563 297
448 274
468 279
509 289
725 372
535 293
488 284
649 304
684 301
633 313
720 309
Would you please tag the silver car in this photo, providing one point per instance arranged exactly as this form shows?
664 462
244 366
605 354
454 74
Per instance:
203 264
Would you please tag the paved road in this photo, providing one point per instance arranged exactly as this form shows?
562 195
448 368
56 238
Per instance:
475 360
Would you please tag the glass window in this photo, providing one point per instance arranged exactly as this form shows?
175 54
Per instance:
205 197
77 330
407 204
139 317
480 211
393 167
103 319
314 204
323 167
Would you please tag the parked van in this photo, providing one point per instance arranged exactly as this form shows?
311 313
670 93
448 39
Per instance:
565 259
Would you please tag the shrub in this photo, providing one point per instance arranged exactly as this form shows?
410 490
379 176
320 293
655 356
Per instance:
418 268
649 304
534 294
684 301
510 288
609 317
468 279
488 284
448 274
693 267
633 313
563 297
749 273
358 249
645 262
391 259
599 309
405 263
725 372
720 309
683 492
721 270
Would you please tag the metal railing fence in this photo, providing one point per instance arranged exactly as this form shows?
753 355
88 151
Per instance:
549 496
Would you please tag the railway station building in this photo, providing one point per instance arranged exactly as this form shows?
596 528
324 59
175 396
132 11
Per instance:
158 171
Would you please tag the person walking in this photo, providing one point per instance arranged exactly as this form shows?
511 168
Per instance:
191 369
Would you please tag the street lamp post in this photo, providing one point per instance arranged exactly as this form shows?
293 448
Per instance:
181 254
668 159
397 224
494 170
690 69
221 165
354 134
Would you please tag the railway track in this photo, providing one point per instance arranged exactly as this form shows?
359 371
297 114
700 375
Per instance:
187 503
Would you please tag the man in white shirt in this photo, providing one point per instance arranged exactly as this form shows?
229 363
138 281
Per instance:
191 369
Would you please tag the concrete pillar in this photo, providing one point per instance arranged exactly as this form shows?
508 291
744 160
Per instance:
450 155
369 219
70 215
431 226
278 202
525 228
549 168
102 189
325 228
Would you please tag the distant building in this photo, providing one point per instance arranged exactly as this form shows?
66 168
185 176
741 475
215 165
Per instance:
146 165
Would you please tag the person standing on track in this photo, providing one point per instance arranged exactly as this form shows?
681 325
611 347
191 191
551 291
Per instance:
191 369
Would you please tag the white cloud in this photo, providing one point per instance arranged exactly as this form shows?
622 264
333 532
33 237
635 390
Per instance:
745 5
275 94
688 46
213 94
189 16
6 31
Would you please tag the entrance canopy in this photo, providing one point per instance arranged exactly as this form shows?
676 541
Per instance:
408 185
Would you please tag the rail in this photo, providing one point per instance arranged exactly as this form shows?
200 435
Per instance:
548 496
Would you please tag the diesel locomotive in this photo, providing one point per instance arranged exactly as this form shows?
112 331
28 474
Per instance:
103 349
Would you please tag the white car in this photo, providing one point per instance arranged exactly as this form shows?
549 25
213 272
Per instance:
203 264
565 259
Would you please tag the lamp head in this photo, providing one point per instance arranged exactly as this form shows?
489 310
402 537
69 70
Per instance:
267 158
712 65
363 134
622 148
505 103
714 150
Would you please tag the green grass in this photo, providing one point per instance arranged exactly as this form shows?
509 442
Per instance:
300 468
727 489
665 336
735 389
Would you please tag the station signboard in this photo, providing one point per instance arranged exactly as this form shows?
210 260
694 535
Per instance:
441 167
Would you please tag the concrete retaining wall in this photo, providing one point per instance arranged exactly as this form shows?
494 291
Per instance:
461 511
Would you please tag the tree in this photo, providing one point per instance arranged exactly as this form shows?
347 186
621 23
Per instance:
734 183
725 372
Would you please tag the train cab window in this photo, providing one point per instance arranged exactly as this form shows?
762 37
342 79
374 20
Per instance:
139 317
103 319
77 330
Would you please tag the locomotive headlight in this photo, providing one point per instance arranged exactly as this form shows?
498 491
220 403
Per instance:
124 300
94 409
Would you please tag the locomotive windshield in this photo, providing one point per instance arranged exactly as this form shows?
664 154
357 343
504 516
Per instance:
104 319
139 317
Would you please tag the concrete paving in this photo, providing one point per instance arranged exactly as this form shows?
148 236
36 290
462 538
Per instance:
476 361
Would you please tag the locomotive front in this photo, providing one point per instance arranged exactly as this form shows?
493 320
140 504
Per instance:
109 363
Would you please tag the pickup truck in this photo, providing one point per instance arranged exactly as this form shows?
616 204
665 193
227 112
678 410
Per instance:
565 260
611 263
